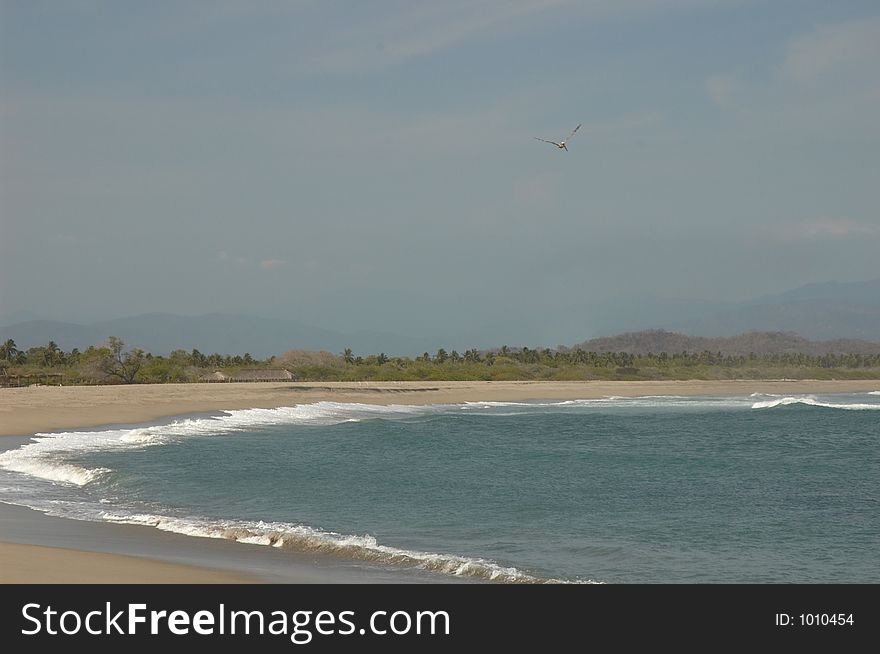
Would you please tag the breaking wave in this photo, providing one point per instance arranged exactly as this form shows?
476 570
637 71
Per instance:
305 539
812 401
614 401
46 456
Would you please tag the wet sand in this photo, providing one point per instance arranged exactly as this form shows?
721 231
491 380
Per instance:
23 564
46 549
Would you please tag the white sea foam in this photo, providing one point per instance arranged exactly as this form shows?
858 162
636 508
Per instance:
362 548
47 455
614 401
489 405
812 401
664 401
57 472
873 392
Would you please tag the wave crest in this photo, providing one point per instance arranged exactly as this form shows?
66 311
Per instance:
812 401
360 548
46 455
64 473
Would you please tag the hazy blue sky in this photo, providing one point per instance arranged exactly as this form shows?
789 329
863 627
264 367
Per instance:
371 165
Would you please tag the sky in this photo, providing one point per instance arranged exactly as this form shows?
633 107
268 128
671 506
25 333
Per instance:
372 165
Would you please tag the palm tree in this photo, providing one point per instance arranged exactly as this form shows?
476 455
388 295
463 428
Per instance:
51 354
196 358
9 352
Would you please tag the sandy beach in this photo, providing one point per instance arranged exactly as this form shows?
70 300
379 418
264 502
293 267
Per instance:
38 549
25 411
25 564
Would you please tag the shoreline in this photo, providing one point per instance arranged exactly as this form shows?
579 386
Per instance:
37 548
33 409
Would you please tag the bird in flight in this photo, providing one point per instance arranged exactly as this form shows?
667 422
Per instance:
561 144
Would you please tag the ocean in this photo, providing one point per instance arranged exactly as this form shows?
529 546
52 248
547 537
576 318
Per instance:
757 489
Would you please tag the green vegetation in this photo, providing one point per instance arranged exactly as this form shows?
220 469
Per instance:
112 363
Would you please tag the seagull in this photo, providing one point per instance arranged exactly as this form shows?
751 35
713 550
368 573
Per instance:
561 144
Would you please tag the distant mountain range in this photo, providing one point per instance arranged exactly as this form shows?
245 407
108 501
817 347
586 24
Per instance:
825 311
841 316
817 311
657 341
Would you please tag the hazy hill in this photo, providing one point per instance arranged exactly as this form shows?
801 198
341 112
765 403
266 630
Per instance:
866 292
826 311
758 342
821 312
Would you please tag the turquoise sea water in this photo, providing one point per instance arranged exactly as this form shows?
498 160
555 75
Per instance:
766 489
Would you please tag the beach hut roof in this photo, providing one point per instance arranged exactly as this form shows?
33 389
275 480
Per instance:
216 376
261 374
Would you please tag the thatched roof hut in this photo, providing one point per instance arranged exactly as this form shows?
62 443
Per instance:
262 375
215 376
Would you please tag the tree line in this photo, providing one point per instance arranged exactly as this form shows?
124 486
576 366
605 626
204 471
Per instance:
111 362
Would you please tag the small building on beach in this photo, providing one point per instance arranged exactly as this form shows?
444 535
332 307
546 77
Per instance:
215 376
262 375
249 375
